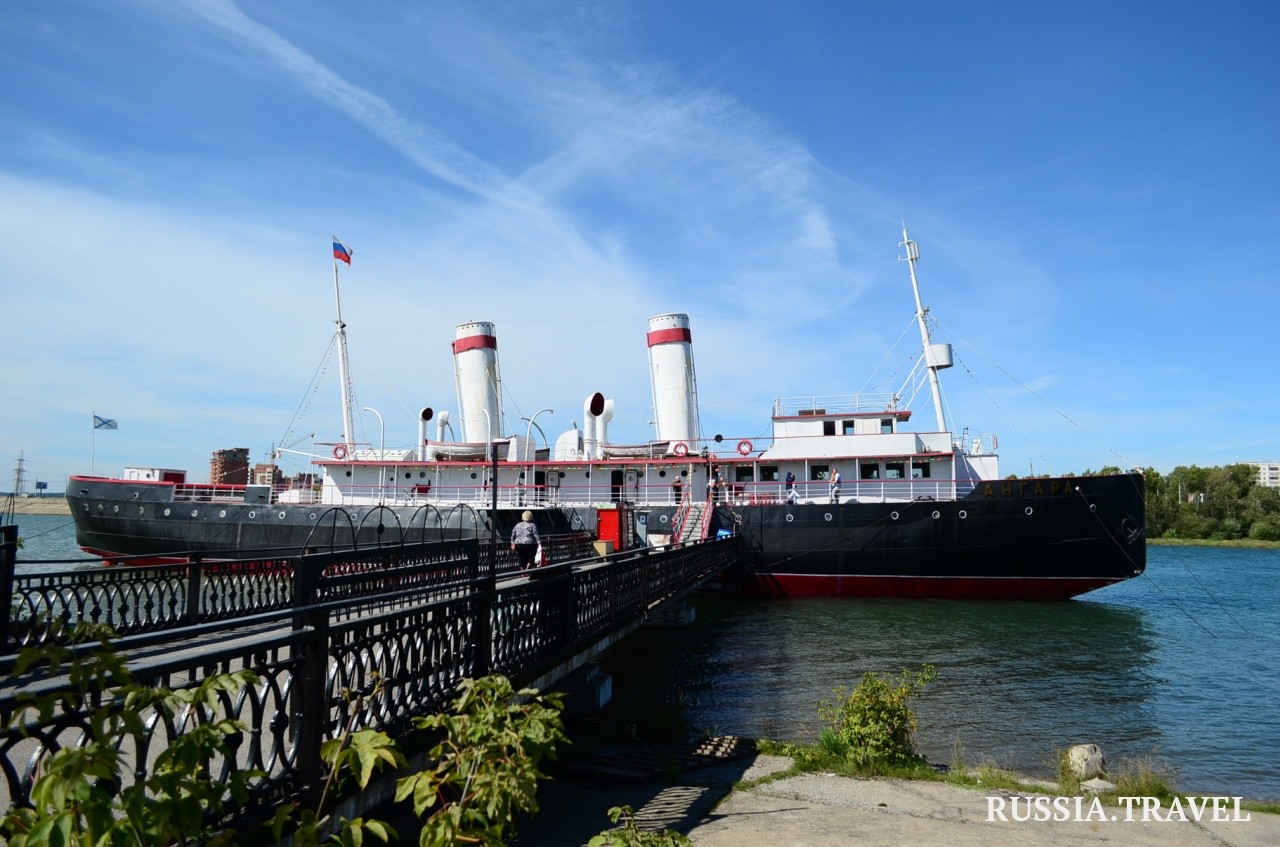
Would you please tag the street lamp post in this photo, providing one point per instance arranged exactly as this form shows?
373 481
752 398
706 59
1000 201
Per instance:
382 450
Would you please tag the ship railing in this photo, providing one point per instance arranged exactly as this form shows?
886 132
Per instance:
834 404
750 493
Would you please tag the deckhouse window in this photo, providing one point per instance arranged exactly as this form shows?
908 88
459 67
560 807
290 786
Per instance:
768 473
828 427
868 470
919 470
886 426
818 472
848 427
893 470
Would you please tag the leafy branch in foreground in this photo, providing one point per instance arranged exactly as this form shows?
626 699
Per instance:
77 798
486 763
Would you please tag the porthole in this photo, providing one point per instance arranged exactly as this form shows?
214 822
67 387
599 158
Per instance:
349 473
166 513
222 513
313 516
253 514
827 516
662 473
141 510
115 509
282 516
1093 507
422 474
790 517
99 508
1028 510
893 516
135 495
195 513
963 514
937 515
473 475
662 518
587 474
408 475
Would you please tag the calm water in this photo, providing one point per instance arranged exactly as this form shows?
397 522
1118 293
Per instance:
1179 665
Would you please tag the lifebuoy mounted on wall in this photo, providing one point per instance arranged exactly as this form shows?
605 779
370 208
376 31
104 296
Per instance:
340 452
744 447
681 449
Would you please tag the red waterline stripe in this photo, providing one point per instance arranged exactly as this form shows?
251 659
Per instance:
667 336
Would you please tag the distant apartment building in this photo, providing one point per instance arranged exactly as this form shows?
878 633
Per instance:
1268 473
264 474
229 467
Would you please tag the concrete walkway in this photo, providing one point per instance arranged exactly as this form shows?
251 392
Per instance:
832 811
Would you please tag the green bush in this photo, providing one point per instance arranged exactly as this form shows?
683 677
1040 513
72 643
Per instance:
874 725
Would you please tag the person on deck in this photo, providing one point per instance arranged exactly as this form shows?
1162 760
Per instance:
791 488
835 485
525 540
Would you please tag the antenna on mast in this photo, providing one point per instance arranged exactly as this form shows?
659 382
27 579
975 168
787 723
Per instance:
936 356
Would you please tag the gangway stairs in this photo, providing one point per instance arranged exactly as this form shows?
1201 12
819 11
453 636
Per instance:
694 519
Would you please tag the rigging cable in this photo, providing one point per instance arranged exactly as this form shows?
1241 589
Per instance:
1047 404
1149 580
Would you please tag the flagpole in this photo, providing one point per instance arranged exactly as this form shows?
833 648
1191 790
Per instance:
344 375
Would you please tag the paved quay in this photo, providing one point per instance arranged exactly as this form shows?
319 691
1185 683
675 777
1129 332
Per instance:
816 810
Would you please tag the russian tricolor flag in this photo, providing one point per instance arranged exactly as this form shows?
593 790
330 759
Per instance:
341 253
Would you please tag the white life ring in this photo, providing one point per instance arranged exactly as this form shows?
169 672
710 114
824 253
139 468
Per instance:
681 449
744 447
340 452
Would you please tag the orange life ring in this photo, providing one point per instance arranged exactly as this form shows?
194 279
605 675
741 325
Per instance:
681 449
340 452
744 447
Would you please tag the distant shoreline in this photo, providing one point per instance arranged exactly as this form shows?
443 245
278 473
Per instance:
52 505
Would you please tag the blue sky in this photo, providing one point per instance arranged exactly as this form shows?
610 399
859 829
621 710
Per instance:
1093 185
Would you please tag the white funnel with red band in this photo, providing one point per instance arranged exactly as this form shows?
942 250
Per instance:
475 373
675 388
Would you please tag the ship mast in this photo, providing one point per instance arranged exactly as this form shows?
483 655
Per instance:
344 371
931 362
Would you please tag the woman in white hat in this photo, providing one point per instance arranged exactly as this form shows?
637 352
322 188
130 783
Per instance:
525 540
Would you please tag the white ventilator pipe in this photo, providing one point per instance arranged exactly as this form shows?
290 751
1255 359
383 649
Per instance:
475 374
672 378
592 408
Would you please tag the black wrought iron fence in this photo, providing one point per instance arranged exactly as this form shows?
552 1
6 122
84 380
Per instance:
359 650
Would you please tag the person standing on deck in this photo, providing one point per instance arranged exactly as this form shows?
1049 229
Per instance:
791 488
525 540
835 485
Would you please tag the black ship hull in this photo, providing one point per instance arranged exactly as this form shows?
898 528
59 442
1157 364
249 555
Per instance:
142 522
1034 539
